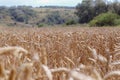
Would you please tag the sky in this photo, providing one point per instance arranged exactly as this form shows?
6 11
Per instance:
37 3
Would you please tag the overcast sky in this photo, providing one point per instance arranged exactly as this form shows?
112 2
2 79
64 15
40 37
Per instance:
39 2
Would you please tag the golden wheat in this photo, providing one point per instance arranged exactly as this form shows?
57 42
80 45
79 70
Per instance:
59 53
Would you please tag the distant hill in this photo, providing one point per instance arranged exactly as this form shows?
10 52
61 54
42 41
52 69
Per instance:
65 7
36 16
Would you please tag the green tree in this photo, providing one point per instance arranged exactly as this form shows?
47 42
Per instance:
114 7
85 11
88 9
100 7
53 18
22 14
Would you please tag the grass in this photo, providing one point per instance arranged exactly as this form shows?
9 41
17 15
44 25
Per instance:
69 53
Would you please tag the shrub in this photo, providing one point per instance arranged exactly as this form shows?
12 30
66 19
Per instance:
54 18
117 22
105 19
70 22
40 25
21 14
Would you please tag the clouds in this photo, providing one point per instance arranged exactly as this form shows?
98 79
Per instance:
17 2
39 2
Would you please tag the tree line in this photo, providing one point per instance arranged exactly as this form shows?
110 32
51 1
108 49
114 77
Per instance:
35 16
20 13
88 9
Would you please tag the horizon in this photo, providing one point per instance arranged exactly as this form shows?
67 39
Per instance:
38 3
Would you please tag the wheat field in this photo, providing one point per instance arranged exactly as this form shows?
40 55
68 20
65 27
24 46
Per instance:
72 53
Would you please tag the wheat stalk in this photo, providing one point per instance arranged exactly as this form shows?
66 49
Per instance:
79 76
12 75
13 50
111 74
48 72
